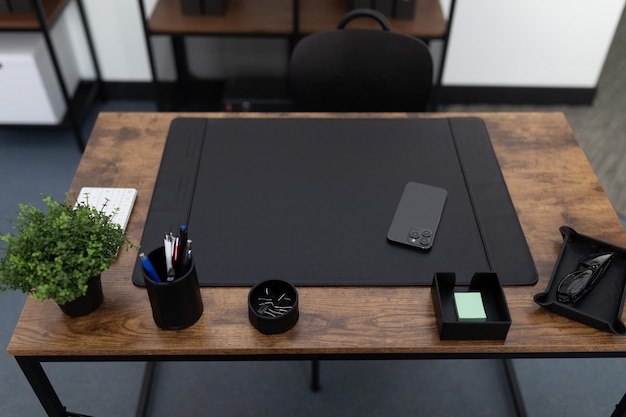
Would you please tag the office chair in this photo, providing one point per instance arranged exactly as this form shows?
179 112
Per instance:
363 70
360 70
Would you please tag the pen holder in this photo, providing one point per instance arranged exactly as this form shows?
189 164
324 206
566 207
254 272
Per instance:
176 304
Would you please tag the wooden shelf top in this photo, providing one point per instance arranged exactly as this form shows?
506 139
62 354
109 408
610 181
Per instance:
271 17
28 20
320 15
275 17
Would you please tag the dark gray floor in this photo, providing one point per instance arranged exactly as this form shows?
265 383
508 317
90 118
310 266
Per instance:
38 161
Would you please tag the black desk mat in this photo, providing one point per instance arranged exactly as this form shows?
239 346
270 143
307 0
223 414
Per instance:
310 201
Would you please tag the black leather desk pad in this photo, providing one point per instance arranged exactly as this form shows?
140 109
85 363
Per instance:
310 201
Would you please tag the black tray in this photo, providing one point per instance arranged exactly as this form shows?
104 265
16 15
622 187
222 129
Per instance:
498 321
602 307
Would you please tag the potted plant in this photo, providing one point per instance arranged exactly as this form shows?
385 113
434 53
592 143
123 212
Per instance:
59 254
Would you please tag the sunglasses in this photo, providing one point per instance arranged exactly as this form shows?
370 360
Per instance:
579 283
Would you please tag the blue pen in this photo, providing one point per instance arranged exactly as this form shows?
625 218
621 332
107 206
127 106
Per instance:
147 266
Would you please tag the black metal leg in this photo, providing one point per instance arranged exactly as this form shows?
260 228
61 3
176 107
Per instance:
515 388
92 48
315 375
295 26
49 399
180 58
155 79
620 409
146 389
183 77
40 383
434 103
78 135
71 111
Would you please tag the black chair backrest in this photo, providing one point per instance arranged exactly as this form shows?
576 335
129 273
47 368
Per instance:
361 69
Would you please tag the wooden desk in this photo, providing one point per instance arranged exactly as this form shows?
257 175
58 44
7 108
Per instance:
550 182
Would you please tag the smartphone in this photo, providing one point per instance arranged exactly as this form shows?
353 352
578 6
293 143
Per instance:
417 216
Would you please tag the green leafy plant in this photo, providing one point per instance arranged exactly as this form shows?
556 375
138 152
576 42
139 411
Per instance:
53 254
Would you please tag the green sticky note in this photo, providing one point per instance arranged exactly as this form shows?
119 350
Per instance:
469 306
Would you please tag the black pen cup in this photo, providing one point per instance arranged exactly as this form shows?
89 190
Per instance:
175 304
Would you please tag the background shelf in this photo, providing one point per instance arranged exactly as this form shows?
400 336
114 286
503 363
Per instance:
28 20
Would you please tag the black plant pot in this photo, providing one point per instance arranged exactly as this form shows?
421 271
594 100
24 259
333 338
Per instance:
86 304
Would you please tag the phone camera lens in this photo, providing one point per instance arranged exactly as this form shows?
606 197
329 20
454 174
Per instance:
427 233
424 241
414 234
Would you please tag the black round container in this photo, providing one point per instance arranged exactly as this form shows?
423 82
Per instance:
273 306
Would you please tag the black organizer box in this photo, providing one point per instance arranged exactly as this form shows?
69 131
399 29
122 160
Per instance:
602 307
498 321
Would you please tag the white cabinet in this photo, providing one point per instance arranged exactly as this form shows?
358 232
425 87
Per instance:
40 80
29 89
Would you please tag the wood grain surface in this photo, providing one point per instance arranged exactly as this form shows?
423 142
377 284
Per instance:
275 17
551 184
28 20
271 17
321 15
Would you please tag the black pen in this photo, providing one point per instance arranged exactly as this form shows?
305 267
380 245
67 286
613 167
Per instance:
186 259
181 249
182 245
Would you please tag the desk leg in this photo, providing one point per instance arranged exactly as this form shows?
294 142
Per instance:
315 375
40 383
515 389
620 409
146 389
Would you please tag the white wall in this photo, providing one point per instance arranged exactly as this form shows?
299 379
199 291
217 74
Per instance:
68 36
118 38
538 43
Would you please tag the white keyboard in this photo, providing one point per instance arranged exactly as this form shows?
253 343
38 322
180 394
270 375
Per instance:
109 200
